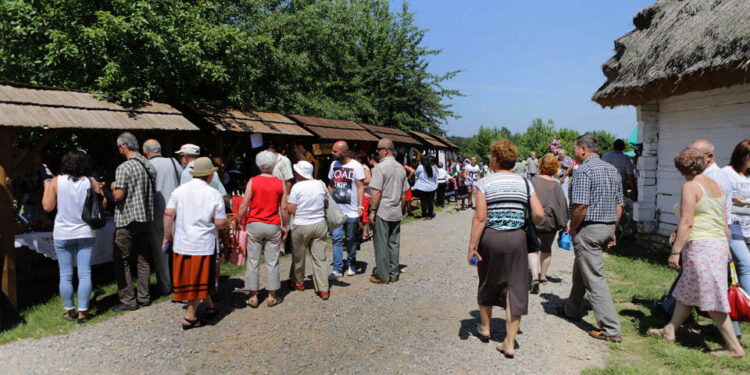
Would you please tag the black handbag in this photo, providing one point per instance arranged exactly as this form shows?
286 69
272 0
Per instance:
532 239
93 210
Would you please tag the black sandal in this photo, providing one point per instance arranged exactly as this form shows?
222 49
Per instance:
193 324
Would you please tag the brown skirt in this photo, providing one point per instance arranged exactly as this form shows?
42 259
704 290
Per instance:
547 239
194 276
504 270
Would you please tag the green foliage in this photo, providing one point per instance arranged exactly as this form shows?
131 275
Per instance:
350 59
537 138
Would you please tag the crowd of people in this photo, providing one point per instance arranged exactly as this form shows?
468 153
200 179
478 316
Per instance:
168 217
714 227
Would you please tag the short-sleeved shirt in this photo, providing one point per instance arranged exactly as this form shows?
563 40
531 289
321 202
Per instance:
168 172
390 178
283 168
533 165
622 162
310 197
136 177
472 174
196 205
565 163
506 200
597 185
425 182
344 182
215 182
264 204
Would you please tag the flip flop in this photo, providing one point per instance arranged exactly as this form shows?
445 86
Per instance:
273 301
253 302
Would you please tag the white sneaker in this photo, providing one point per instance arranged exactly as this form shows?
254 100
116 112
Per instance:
351 272
335 275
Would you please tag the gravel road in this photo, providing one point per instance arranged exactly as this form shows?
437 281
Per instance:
422 324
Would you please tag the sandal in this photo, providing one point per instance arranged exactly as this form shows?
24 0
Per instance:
253 301
192 324
535 287
273 301
505 353
478 333
70 315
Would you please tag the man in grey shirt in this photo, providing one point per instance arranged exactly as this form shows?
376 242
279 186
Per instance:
389 186
532 165
168 172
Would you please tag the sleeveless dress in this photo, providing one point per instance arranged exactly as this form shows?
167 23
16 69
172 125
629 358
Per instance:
703 283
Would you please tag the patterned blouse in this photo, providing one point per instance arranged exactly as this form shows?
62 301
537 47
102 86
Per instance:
506 200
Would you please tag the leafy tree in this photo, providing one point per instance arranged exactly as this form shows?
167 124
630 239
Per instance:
351 59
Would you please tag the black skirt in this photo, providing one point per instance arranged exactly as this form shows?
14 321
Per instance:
504 270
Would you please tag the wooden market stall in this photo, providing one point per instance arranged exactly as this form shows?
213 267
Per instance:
56 113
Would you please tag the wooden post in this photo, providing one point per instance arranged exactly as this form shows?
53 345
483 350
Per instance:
9 300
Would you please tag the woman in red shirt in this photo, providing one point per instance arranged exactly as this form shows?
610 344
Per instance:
266 228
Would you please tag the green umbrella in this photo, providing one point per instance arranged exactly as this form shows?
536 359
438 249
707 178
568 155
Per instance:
633 140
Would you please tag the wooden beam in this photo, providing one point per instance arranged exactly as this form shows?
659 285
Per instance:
9 300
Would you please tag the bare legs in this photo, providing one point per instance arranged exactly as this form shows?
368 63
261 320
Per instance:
534 265
546 258
731 347
512 323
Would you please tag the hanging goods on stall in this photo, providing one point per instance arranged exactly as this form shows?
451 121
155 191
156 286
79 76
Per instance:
93 211
334 216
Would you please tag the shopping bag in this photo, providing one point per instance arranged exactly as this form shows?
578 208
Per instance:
237 256
739 302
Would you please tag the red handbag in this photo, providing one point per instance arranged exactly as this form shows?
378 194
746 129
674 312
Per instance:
739 301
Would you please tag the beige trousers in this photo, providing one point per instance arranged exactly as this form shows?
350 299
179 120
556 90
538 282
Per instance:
314 237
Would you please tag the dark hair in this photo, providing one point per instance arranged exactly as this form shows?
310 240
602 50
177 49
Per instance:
741 151
427 165
76 164
619 145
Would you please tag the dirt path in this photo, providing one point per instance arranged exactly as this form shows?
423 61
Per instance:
422 324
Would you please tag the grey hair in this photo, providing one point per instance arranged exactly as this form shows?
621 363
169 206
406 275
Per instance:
265 160
152 147
589 142
128 140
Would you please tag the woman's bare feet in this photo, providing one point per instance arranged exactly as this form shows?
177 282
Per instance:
508 350
665 333
726 352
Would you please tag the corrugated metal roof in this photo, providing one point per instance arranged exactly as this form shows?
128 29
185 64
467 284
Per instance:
327 128
238 121
394 134
428 139
32 106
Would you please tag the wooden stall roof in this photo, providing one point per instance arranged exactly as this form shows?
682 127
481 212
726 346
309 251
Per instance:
30 106
428 139
333 129
394 134
283 124
447 142
238 121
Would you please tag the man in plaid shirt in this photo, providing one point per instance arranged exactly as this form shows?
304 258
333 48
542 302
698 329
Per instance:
133 190
595 207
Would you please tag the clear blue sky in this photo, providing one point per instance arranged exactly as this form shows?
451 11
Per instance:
527 59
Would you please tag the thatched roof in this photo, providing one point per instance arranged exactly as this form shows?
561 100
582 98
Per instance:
679 46
30 106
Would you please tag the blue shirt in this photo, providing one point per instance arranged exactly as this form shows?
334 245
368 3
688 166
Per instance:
425 182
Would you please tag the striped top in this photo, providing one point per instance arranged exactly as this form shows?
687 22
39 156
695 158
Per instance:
506 200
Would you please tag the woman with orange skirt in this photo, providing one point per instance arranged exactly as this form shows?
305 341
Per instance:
197 212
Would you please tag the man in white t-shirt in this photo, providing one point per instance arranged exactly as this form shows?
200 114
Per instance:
283 169
472 176
347 189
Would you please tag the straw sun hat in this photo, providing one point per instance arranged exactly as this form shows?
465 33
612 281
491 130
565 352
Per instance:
203 167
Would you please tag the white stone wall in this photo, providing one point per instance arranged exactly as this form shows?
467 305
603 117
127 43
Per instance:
722 116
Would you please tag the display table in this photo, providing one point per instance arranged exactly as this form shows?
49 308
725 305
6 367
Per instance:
42 243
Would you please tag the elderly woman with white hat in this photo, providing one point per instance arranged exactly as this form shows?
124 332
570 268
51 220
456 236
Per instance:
307 202
197 212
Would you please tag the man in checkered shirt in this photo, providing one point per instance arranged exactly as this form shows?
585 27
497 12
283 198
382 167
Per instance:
595 205
133 190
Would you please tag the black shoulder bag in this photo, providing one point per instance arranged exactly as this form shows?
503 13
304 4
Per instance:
93 210
532 239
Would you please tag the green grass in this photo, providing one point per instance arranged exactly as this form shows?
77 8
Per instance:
639 280
45 319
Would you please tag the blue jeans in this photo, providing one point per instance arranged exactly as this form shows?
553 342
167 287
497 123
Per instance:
79 251
741 256
350 226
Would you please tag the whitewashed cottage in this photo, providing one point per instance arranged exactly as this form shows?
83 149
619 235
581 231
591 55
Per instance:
686 69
